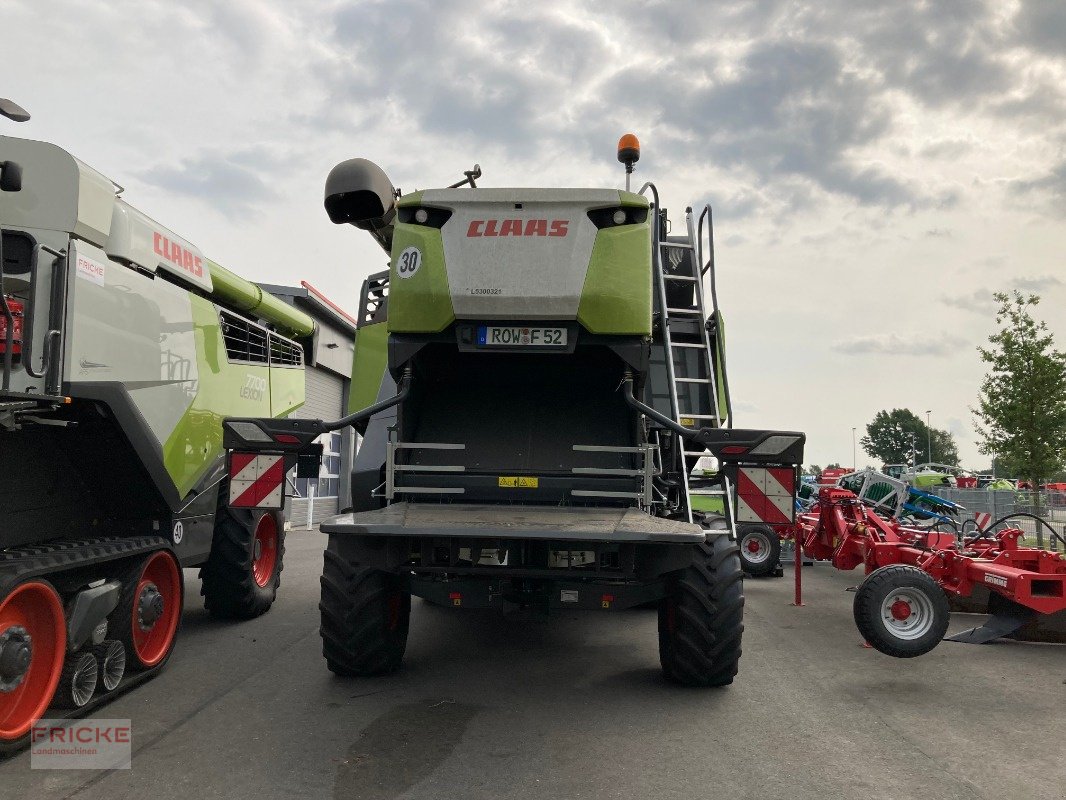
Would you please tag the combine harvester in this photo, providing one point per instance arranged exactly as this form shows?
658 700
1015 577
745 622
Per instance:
902 606
122 348
535 378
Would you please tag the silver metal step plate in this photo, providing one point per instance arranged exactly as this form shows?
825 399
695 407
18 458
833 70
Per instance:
515 522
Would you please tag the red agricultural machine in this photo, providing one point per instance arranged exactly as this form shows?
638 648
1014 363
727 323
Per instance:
902 607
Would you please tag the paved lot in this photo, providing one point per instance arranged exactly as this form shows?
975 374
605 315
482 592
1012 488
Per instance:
493 707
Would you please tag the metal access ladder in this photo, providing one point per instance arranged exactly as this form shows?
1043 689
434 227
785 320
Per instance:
691 369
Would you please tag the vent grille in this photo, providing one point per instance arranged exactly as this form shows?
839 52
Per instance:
249 343
373 305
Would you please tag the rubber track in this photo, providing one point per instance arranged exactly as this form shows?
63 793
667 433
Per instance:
709 618
354 639
18 564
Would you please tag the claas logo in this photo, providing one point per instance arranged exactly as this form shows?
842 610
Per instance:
517 227
176 254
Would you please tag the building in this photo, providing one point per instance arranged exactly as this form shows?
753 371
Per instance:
328 378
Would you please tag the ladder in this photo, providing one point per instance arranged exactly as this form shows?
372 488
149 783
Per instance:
690 364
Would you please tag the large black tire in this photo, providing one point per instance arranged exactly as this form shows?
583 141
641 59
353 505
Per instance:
701 619
365 617
760 550
235 582
901 611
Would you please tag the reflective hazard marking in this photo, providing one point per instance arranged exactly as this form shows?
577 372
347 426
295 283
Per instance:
765 494
256 481
982 519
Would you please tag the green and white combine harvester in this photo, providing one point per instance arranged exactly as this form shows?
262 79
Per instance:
535 378
122 348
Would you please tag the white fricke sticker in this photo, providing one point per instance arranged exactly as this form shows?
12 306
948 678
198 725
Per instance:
90 270
408 262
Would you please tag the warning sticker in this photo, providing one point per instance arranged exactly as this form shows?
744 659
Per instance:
518 482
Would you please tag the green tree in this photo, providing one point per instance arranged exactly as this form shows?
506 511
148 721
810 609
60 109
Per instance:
888 438
1021 410
814 469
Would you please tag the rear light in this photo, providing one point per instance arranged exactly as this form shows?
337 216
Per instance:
18 312
286 438
734 450
425 215
613 217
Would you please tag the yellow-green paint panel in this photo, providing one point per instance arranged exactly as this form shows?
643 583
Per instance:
368 365
616 296
422 302
223 390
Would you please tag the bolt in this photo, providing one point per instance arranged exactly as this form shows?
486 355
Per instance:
150 607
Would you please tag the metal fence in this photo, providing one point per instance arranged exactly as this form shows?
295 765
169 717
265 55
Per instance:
1049 506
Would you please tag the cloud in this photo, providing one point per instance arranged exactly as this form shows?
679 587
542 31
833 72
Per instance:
891 344
1041 24
1051 185
235 182
1038 283
979 302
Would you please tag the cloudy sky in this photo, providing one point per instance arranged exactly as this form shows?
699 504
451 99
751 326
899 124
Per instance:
877 169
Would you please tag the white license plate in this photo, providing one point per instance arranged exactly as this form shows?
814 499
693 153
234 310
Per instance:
515 336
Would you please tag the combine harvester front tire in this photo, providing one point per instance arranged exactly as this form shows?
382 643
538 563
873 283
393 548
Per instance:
241 579
365 617
901 611
701 619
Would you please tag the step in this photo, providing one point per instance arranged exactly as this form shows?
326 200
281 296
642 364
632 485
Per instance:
692 380
689 311
686 278
697 345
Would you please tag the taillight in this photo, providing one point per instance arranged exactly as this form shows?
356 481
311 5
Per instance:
17 310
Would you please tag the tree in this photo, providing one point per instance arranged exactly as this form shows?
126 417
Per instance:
814 469
888 438
1021 410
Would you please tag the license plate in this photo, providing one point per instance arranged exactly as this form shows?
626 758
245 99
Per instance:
514 336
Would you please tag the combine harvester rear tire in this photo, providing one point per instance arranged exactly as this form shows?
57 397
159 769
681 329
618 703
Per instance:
241 579
901 611
365 617
760 550
701 619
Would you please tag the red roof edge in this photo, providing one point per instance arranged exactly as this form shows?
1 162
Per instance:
329 302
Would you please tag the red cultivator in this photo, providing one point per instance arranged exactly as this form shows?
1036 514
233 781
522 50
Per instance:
900 608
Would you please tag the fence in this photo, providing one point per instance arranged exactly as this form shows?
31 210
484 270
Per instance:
1049 506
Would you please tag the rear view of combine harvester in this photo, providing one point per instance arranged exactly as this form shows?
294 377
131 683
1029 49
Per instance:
535 378
122 348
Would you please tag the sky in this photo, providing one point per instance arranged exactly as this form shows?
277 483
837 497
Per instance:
877 169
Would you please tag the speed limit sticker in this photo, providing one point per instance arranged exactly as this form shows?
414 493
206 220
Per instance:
408 262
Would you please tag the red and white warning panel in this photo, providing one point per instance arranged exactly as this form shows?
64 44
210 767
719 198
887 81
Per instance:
982 519
256 481
766 494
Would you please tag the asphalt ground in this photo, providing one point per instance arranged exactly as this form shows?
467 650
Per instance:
493 706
